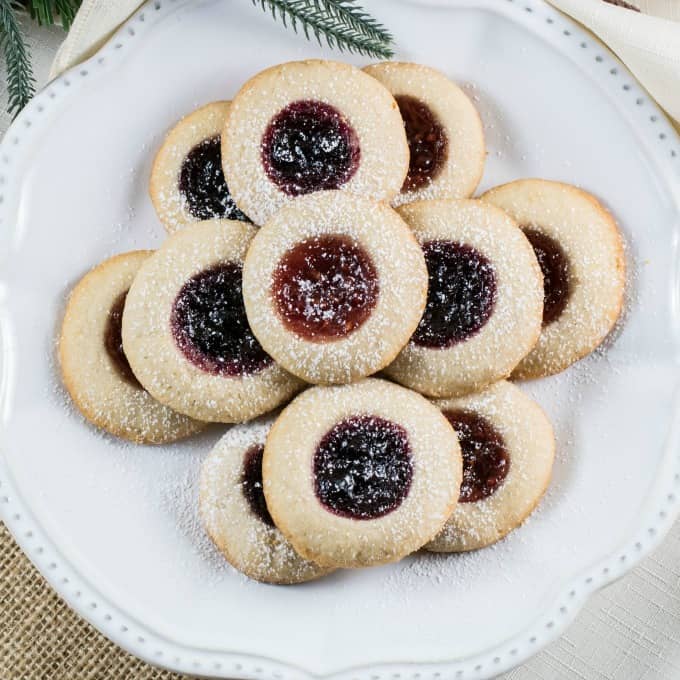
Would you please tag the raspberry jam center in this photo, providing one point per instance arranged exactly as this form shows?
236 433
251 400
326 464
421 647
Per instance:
461 294
251 483
202 184
555 267
427 142
113 341
362 468
325 287
486 462
209 324
309 146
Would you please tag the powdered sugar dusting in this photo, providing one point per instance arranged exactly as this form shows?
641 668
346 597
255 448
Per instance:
98 380
160 362
504 310
178 497
177 489
187 181
596 262
395 257
527 440
455 121
249 543
316 511
364 105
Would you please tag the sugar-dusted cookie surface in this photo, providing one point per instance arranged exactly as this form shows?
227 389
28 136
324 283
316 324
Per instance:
307 126
334 285
443 130
187 181
361 474
185 330
580 250
508 449
484 303
94 367
234 510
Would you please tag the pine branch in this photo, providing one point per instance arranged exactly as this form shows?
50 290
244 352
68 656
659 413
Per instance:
40 11
342 24
67 11
20 80
353 15
45 11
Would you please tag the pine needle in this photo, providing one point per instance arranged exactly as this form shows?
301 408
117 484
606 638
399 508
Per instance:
20 80
67 11
342 24
45 11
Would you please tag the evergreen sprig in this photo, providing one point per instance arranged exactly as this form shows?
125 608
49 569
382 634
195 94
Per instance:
45 12
20 81
342 23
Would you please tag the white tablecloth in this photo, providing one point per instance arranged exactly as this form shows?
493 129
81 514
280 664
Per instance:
629 631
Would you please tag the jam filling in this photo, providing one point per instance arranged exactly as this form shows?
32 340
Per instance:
362 468
113 341
325 287
251 483
309 146
555 267
461 294
209 324
486 462
202 183
427 142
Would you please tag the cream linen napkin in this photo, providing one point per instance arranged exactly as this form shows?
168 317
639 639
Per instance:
648 42
94 23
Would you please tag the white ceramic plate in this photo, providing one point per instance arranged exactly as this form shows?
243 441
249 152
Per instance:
113 527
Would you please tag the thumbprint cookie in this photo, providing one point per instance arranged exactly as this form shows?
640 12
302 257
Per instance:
334 285
443 130
308 126
185 330
187 181
580 251
362 474
235 515
508 450
484 300
94 366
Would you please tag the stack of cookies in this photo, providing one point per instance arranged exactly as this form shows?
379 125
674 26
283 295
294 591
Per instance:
321 232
